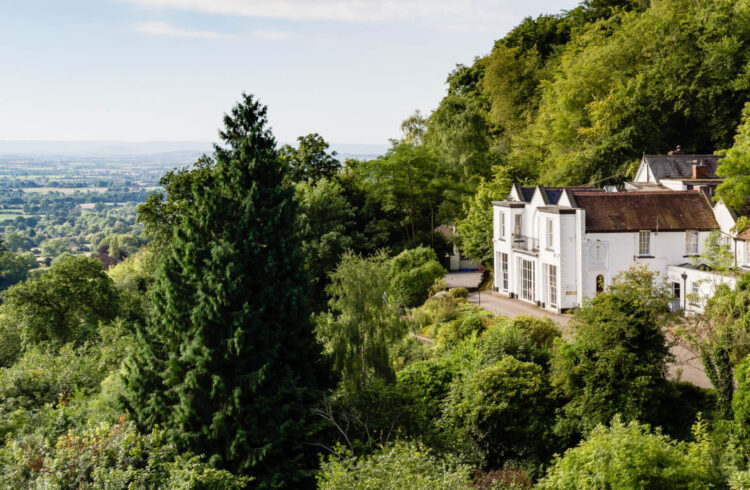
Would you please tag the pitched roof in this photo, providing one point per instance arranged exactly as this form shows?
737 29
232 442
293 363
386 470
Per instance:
552 193
634 211
681 166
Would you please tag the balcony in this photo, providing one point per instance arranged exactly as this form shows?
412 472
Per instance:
526 243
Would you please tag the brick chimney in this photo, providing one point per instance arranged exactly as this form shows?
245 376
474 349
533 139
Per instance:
699 171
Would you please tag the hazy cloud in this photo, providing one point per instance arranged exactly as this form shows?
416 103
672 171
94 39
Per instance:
272 35
439 13
165 29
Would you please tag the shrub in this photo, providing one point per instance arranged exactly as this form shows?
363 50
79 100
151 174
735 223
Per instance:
399 465
542 332
450 334
617 360
741 398
108 456
630 456
412 273
506 339
459 293
503 410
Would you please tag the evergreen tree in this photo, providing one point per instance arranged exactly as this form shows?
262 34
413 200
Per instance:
228 363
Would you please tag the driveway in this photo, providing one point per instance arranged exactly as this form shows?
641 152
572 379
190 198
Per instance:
468 280
687 365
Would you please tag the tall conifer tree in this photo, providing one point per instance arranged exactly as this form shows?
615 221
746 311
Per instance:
228 361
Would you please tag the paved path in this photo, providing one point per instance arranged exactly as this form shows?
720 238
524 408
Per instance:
511 307
687 364
468 280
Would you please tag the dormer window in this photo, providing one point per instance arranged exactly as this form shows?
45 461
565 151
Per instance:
644 242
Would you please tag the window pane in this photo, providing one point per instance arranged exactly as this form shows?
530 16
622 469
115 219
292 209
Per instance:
644 242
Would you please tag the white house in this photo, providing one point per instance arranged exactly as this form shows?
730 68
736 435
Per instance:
555 246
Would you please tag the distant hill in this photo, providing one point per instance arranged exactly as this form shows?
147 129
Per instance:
160 151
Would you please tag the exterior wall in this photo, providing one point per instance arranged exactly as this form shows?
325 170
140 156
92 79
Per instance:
724 217
705 282
667 248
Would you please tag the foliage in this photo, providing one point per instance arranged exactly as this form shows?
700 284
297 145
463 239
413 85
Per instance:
474 231
630 456
735 166
407 182
14 268
364 321
412 274
324 224
61 305
452 333
227 363
503 409
617 360
721 336
55 246
509 339
541 331
310 160
741 398
716 255
398 465
112 456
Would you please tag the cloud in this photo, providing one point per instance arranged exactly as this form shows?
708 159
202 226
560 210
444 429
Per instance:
165 29
439 13
271 35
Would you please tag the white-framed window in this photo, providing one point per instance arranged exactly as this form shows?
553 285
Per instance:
552 285
644 242
691 242
747 253
694 293
528 281
501 232
504 271
550 234
517 225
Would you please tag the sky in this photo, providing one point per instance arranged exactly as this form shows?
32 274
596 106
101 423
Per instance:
167 70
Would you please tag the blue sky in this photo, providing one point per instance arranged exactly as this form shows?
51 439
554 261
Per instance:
144 70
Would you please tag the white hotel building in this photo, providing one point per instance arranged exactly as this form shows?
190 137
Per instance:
555 246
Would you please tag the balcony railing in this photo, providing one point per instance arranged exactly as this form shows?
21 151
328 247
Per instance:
526 243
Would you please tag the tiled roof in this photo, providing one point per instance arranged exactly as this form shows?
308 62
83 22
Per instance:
528 193
634 211
681 166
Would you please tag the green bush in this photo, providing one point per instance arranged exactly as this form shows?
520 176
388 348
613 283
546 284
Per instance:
450 334
458 293
413 272
630 456
617 359
506 339
741 398
112 456
399 465
503 410
542 332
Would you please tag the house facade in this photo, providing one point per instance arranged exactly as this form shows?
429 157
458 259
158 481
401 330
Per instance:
556 246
